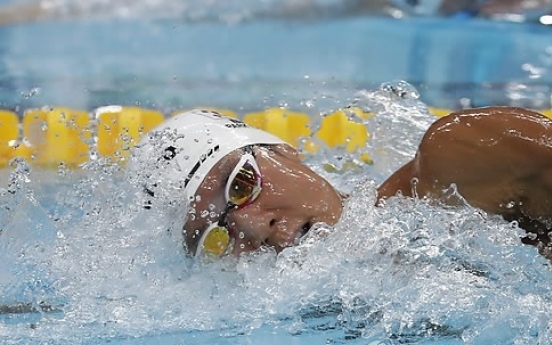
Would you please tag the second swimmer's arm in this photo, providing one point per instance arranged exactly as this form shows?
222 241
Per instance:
30 12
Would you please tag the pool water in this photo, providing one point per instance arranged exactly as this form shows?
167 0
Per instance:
78 248
83 263
170 63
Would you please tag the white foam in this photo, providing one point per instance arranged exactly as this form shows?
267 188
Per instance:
409 271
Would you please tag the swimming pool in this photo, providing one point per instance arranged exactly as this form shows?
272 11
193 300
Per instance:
173 63
78 249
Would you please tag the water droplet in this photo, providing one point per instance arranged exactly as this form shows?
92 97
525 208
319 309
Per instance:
62 169
401 89
34 91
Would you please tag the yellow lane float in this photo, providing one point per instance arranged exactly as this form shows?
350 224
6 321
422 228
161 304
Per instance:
344 128
57 135
439 112
50 136
547 113
9 134
288 125
337 130
120 128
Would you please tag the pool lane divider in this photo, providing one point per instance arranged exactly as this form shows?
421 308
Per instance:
119 128
48 137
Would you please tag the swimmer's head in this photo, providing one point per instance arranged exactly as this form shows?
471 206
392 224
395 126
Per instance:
223 174
176 156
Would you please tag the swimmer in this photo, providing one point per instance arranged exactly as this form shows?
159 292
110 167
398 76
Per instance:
22 13
245 188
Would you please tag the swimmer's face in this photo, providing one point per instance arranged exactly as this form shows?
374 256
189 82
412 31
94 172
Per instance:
292 199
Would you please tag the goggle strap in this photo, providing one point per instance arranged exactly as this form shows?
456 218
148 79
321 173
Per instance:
244 159
222 218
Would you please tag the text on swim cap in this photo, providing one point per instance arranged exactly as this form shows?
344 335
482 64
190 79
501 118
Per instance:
170 153
236 124
202 159
233 123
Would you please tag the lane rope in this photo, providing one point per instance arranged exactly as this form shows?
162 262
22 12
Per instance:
48 137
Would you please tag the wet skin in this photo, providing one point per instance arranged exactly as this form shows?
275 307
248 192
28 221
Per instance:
292 199
499 158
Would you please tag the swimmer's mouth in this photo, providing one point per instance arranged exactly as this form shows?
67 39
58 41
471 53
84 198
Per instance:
302 232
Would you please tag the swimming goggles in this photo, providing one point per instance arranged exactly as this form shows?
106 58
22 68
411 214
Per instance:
243 187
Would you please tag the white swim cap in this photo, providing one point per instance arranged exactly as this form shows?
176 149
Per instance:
178 154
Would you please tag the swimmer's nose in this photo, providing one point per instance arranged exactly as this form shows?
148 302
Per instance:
256 227
253 223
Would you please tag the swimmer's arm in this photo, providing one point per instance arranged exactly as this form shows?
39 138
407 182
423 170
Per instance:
17 13
494 156
398 183
30 12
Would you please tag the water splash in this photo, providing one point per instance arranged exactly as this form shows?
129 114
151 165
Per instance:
410 271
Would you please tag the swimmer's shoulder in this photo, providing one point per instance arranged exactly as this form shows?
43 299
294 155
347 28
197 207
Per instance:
497 115
484 123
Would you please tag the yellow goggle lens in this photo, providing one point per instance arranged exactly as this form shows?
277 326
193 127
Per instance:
216 241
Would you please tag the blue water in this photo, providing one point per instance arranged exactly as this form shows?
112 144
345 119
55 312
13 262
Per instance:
93 267
171 62
409 272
